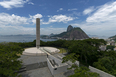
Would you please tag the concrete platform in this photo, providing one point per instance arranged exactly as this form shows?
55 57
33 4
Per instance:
41 51
31 63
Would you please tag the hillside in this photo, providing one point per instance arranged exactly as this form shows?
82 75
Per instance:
113 37
75 33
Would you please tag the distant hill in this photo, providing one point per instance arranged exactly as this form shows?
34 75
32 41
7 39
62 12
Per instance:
113 37
73 33
98 36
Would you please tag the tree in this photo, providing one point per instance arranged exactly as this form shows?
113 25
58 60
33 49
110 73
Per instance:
8 59
83 72
87 49
78 71
110 47
107 62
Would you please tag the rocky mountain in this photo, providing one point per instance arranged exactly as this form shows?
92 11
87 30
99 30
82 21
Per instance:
73 33
69 28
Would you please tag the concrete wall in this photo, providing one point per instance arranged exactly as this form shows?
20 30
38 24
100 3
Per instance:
62 67
58 61
92 69
102 73
50 66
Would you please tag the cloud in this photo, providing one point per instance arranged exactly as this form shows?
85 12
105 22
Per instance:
13 3
76 14
31 3
49 30
48 16
101 29
105 13
13 30
33 18
14 24
7 19
60 9
72 9
88 10
59 18
12 19
101 21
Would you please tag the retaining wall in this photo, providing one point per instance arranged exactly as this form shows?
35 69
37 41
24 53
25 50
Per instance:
62 67
102 73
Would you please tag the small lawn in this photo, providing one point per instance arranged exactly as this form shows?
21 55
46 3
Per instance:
62 50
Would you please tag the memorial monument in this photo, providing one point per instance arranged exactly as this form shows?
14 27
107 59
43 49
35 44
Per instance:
37 32
39 50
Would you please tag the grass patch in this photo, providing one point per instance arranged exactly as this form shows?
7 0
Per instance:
62 50
18 54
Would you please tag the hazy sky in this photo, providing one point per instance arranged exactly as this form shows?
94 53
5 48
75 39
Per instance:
95 17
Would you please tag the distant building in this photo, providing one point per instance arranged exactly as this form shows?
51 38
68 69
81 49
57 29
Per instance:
115 49
110 42
102 47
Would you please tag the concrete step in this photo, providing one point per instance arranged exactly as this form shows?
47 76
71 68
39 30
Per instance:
23 67
21 70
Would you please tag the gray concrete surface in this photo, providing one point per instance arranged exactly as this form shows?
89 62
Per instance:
32 59
36 67
41 72
37 32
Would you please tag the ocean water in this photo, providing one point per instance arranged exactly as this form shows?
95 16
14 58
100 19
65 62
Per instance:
21 38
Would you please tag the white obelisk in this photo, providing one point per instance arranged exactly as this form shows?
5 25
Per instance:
37 32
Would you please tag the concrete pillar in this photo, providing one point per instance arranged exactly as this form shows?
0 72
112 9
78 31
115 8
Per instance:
37 32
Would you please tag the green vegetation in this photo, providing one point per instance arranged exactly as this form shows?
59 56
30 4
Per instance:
79 71
8 59
89 53
9 54
110 47
62 50
113 38
107 62
86 51
83 72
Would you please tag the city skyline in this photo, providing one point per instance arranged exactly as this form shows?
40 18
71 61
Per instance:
93 16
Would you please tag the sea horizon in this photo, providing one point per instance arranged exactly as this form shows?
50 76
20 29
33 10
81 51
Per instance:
21 38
